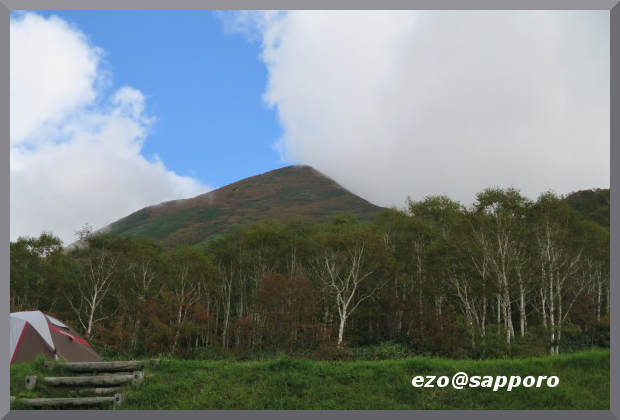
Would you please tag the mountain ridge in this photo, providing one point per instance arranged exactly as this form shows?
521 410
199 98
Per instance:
296 191
280 194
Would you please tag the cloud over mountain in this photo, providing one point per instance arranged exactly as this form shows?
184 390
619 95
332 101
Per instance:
401 103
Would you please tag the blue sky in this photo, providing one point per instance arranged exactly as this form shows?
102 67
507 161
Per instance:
204 86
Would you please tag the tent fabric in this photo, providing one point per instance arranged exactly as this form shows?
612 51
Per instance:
69 346
33 333
30 346
16 329
68 335
56 322
38 322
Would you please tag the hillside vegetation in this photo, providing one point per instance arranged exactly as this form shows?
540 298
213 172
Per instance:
593 204
279 195
286 383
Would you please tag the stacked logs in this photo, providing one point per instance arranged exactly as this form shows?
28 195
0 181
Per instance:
97 383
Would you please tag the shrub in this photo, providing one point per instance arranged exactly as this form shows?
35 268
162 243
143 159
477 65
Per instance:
383 351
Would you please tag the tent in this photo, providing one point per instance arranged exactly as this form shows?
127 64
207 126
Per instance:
33 333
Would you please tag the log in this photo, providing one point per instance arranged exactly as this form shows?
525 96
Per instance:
80 374
56 402
31 381
111 390
135 378
118 399
138 378
100 380
129 365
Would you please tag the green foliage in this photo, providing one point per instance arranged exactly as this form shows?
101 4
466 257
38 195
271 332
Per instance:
38 269
501 202
433 280
382 351
19 371
593 204
128 223
534 344
160 227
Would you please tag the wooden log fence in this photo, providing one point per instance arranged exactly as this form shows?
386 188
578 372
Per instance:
96 389
99 380
111 390
130 365
63 402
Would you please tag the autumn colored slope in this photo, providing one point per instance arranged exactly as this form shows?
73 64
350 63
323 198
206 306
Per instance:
282 194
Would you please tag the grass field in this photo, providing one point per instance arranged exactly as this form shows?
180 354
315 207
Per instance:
287 383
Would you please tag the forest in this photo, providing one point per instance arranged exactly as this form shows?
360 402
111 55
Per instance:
504 277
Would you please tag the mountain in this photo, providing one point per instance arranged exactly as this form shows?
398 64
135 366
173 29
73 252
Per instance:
593 204
282 194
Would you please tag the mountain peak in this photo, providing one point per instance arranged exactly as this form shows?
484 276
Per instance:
281 194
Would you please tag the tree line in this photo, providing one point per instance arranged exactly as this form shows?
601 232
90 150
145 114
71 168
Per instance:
506 276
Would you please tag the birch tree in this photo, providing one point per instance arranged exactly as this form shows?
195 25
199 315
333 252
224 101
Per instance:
190 272
347 265
92 289
559 255
501 214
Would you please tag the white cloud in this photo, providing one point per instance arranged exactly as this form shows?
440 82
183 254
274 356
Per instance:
75 153
53 72
399 103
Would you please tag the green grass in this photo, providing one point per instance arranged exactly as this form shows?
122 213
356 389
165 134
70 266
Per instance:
286 383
